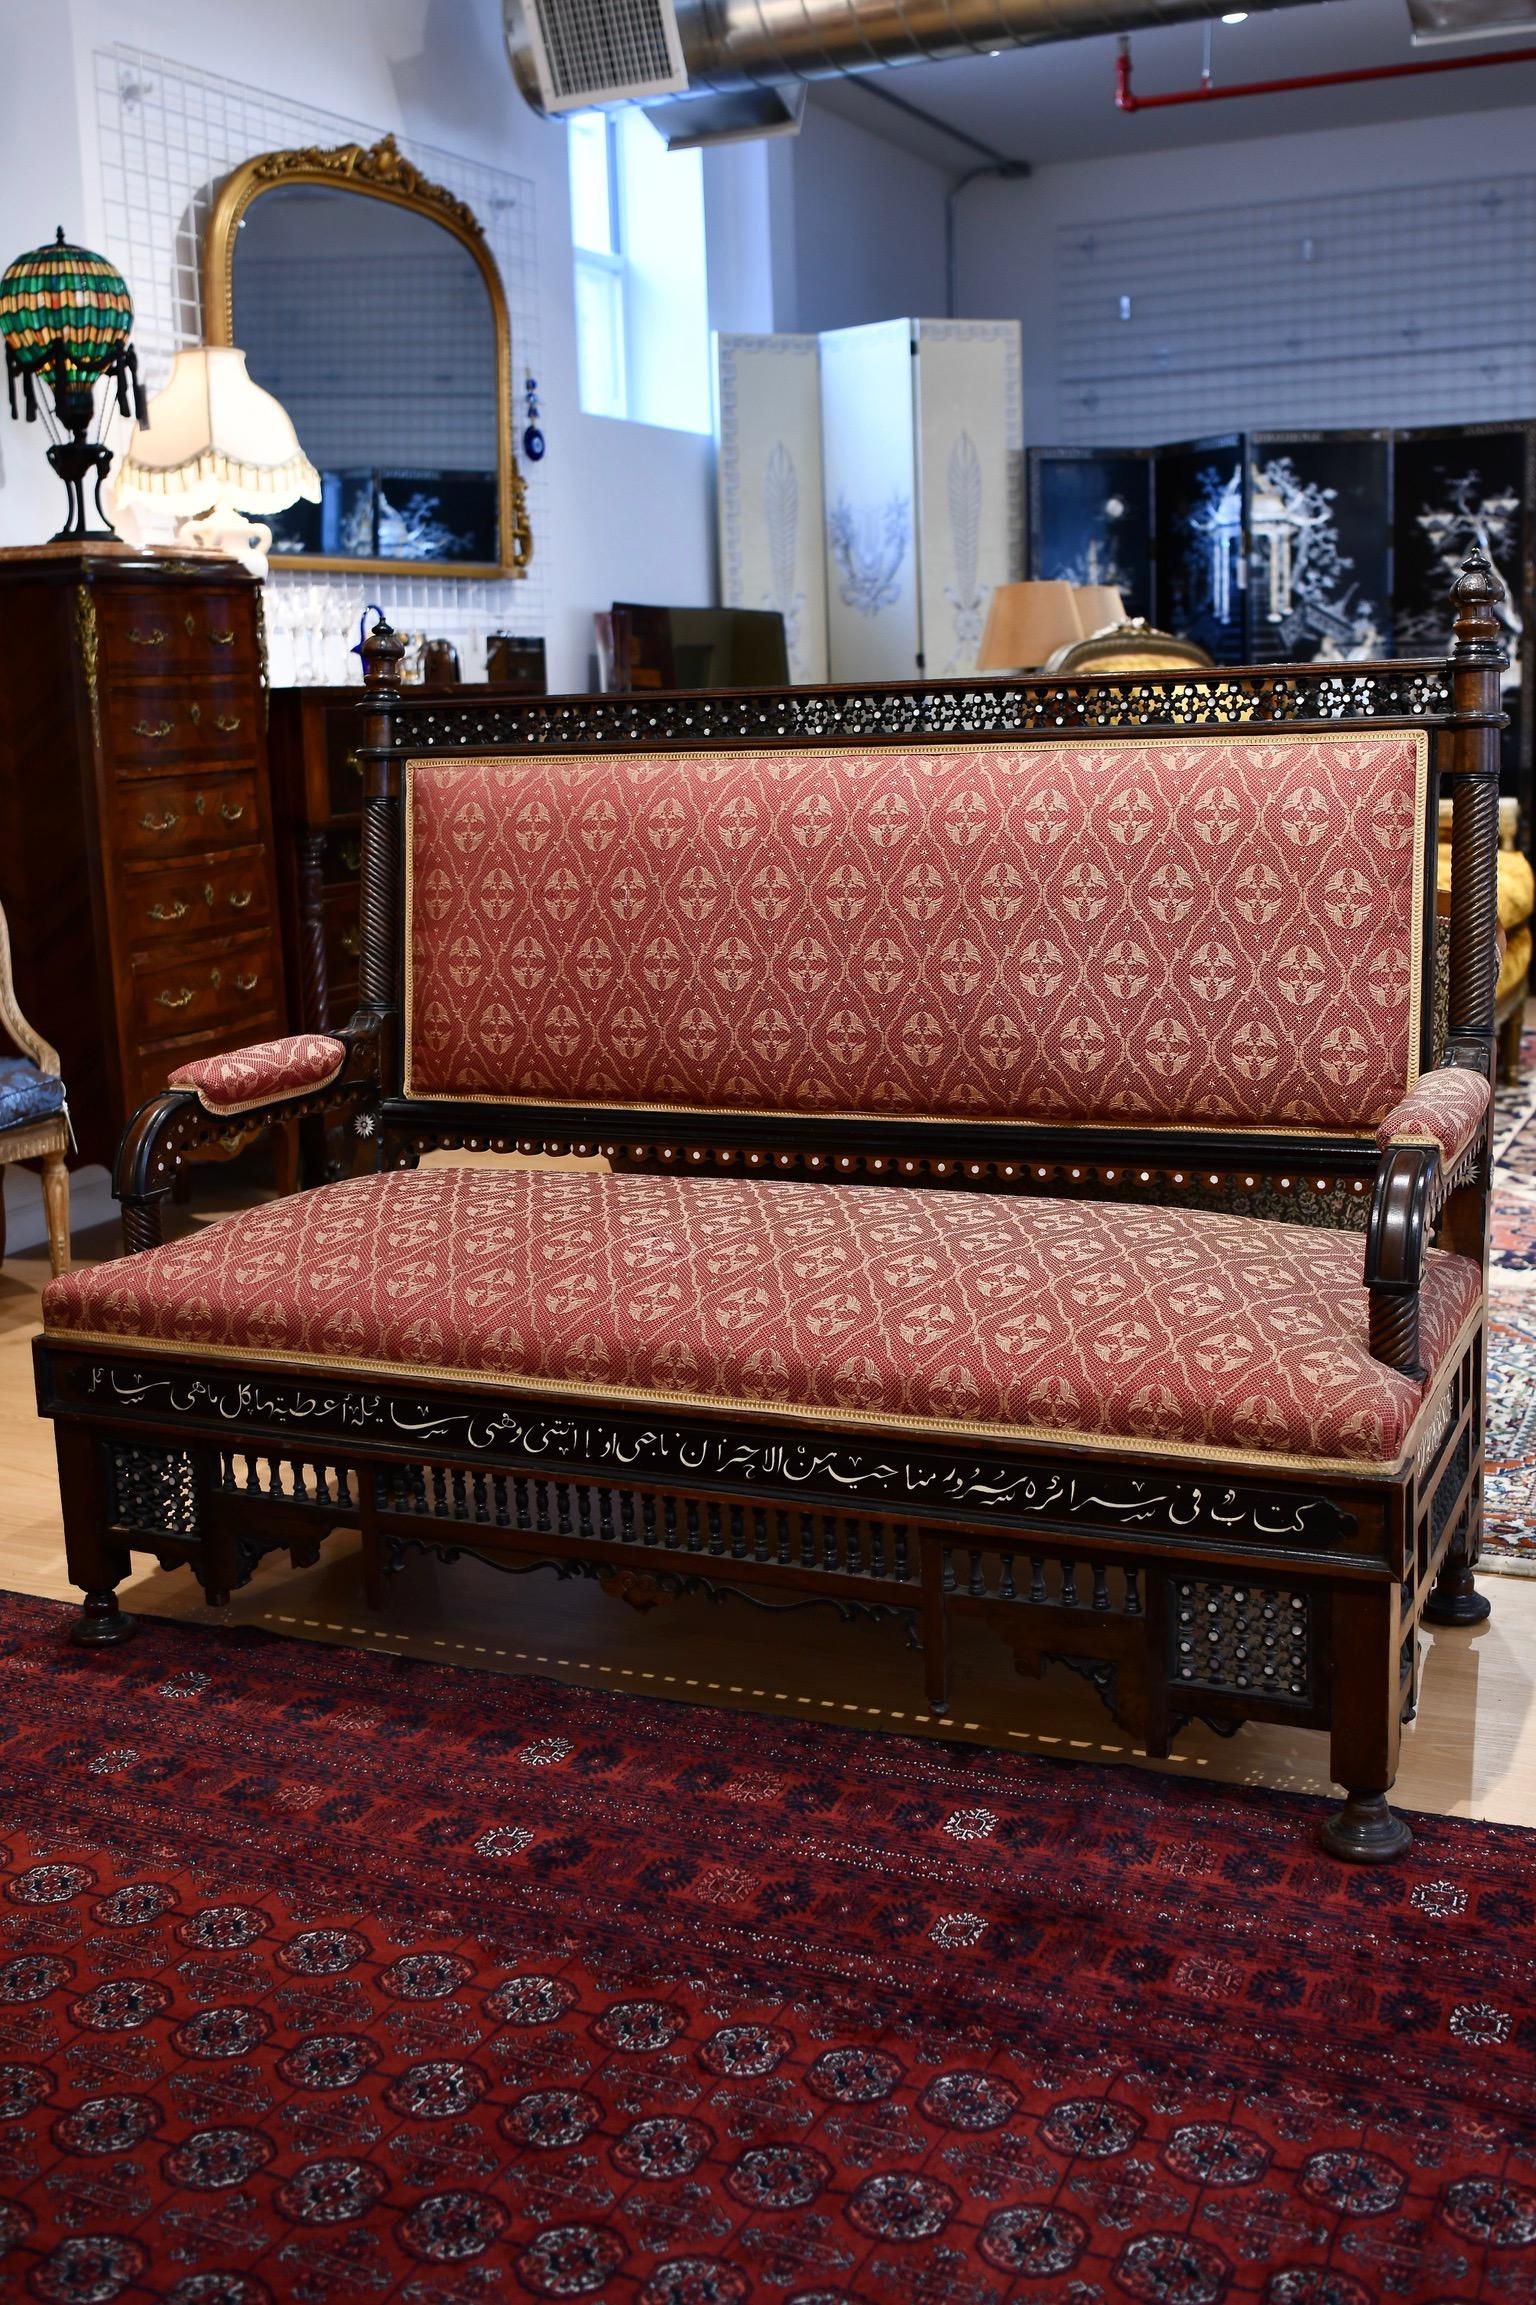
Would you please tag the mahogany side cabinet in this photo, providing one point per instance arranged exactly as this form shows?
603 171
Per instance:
317 789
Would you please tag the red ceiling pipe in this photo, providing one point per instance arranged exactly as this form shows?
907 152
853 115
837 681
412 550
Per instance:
1208 93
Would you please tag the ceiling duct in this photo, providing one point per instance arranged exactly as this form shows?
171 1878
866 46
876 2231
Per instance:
569 55
1435 21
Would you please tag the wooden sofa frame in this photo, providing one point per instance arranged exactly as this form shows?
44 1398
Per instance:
1100 1562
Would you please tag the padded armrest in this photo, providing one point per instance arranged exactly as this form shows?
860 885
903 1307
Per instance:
1443 1108
248 1078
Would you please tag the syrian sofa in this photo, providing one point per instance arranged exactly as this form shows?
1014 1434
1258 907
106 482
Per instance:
1016 1185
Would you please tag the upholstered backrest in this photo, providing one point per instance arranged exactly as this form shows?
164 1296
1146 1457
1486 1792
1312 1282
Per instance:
1202 930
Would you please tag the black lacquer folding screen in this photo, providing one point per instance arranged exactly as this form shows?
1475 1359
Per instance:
1452 490
1295 547
1096 511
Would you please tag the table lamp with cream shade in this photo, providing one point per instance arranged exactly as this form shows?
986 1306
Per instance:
217 452
1028 623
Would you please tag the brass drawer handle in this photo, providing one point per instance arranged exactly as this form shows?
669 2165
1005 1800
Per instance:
354 764
231 815
153 730
154 638
248 982
352 942
227 722
160 823
351 855
176 911
239 898
222 639
180 999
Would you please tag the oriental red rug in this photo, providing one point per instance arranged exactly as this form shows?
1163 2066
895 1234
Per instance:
326 1976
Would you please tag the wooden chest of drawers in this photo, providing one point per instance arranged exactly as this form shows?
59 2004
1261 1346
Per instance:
136 860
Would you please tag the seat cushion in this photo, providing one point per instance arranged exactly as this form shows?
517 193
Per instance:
912 1311
27 1094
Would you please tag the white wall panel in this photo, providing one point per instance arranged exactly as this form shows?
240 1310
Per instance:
1342 277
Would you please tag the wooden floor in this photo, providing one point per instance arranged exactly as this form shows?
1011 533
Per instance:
1471 1752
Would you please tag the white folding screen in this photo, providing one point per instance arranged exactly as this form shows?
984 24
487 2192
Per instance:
869 457
768 419
907 438
970 482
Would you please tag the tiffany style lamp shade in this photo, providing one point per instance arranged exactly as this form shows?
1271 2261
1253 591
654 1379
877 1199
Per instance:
65 315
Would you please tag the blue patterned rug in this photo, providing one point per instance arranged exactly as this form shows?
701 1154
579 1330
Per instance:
1510 1494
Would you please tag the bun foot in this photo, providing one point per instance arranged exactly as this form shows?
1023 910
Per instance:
1455 1600
101 1624
1365 1831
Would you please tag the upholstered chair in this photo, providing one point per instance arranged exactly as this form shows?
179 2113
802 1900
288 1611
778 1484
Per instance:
33 1123
1134 646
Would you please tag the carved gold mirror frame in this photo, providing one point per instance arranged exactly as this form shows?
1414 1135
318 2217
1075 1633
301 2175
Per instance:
382 172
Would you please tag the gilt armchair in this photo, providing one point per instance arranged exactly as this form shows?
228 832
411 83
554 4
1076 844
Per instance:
33 1121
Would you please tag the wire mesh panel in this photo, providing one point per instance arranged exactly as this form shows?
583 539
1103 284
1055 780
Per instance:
167 135
1411 304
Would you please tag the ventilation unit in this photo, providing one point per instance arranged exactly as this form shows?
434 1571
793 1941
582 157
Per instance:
570 53
1433 21
601 51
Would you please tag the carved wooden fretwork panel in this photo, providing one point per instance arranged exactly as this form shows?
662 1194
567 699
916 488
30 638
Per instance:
1242 1638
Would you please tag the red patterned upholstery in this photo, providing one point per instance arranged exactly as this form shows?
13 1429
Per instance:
1193 930
1445 1108
263 1073
845 1303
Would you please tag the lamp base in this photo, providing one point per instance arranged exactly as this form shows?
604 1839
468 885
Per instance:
74 461
223 530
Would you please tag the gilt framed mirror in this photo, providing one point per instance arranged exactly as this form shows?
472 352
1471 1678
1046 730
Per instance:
365 298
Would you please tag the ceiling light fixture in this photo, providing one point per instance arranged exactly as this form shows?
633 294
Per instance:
1238 16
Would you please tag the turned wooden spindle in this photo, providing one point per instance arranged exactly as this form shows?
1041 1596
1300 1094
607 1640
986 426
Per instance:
378 976
1477 661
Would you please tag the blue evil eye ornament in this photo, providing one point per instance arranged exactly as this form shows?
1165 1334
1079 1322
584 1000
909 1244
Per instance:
533 437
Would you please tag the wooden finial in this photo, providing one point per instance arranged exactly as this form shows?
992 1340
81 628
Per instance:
381 651
1479 636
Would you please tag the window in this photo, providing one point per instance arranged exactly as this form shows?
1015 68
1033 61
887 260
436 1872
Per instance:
597 234
642 317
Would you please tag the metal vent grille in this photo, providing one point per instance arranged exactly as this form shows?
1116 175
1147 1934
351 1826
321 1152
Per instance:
597 51
1433 21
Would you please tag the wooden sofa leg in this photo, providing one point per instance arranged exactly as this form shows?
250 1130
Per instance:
1367 1726
1454 1598
94 1564
1365 1831
102 1624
